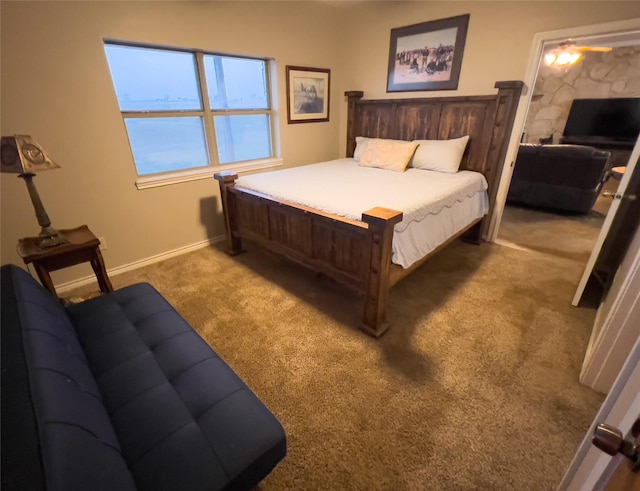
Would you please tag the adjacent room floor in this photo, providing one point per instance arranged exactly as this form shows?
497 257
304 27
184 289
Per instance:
567 235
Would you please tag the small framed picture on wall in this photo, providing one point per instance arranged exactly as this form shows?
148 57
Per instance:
307 94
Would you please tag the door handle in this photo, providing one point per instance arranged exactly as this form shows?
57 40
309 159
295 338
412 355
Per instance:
610 440
609 194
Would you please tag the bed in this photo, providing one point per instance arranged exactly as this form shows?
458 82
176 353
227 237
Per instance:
358 248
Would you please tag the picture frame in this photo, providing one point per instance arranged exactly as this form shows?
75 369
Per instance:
308 91
427 56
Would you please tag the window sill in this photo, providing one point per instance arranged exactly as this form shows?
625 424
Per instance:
155 181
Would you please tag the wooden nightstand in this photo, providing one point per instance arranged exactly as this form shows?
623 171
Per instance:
83 247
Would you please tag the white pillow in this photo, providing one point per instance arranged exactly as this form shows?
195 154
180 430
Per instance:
440 155
388 154
361 145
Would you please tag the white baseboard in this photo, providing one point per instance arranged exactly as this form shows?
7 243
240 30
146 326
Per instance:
87 280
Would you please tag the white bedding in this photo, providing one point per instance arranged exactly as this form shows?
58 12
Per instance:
435 205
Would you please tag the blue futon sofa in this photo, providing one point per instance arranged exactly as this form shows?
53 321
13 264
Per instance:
120 393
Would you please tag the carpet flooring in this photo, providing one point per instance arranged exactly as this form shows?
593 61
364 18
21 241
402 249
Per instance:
569 235
564 235
475 385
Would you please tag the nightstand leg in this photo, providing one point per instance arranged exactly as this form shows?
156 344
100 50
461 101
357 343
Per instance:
100 270
45 279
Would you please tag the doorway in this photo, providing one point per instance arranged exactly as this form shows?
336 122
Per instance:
610 245
557 211
631 26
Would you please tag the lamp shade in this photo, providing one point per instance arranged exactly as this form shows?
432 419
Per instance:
21 154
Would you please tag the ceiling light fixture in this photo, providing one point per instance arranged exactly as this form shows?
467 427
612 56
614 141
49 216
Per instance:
567 53
562 58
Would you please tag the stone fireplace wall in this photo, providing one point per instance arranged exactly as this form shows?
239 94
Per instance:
596 75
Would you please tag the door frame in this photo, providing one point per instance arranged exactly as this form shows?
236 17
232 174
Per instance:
531 75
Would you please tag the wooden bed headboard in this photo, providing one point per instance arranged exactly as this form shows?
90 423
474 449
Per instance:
487 120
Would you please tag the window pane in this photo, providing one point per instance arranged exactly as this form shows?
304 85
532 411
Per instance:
153 79
242 137
167 144
236 83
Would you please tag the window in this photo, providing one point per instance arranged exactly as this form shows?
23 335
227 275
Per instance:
191 111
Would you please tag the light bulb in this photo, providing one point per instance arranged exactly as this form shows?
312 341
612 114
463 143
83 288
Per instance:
574 58
564 58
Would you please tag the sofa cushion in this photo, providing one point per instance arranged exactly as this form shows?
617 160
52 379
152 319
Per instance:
574 166
48 375
177 409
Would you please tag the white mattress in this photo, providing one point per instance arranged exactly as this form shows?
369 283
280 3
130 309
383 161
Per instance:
435 205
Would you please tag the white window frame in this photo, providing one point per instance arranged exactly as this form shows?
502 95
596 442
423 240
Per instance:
207 114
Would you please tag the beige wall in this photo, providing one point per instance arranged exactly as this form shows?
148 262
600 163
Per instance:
497 47
498 40
56 86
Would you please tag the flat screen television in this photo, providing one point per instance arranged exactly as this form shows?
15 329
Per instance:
604 119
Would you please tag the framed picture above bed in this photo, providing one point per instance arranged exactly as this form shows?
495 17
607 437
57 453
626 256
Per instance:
427 56
307 94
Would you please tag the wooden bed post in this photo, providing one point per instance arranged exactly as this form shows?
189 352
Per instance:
507 100
381 222
226 180
352 97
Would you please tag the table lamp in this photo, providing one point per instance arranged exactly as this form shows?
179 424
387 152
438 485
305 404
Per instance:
20 154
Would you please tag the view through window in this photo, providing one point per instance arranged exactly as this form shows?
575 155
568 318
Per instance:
185 110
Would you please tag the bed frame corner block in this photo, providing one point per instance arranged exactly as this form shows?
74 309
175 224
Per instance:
227 177
226 180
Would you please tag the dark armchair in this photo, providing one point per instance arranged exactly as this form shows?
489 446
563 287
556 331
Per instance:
562 177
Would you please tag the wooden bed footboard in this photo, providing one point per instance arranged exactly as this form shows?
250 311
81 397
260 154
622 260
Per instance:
355 253
359 253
